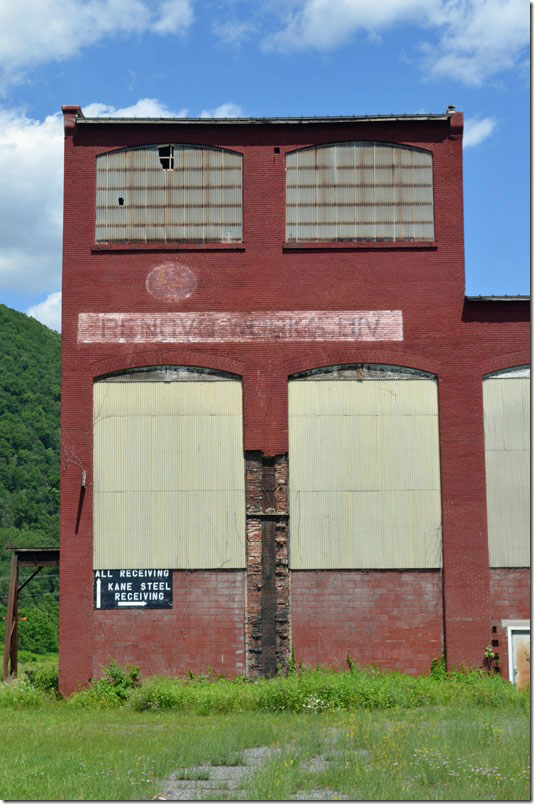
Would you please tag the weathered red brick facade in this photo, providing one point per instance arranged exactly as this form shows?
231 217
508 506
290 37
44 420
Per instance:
247 621
390 618
204 629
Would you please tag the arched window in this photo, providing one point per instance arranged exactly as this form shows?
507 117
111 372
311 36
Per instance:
364 469
168 470
359 191
161 193
507 443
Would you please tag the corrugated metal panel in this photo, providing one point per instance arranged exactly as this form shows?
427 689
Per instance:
359 191
365 483
166 399
194 194
507 442
168 475
373 398
365 453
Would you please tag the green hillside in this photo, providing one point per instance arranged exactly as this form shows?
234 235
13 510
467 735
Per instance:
29 466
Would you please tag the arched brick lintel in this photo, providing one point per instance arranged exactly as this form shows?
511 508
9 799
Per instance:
309 360
166 357
507 361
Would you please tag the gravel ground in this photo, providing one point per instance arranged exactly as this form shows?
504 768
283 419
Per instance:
224 782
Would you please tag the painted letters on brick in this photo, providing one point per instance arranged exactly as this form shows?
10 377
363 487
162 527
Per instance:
210 327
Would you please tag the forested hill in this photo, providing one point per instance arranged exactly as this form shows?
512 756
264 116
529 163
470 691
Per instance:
29 449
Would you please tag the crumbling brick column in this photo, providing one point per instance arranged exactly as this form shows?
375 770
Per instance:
267 630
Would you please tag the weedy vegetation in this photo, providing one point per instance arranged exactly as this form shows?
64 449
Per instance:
365 734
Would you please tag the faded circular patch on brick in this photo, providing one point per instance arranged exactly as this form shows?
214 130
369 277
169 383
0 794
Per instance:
171 282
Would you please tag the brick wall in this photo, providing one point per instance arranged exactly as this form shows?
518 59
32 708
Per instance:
390 618
204 629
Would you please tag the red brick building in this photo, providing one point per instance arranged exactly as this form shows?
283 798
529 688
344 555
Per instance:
279 425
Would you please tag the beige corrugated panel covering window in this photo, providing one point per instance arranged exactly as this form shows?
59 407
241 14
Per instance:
359 191
507 436
168 475
169 193
364 474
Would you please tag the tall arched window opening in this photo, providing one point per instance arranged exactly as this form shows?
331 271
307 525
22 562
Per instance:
364 469
162 193
347 191
168 470
507 444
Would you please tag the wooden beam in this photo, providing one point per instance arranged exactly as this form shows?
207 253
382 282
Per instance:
11 638
28 579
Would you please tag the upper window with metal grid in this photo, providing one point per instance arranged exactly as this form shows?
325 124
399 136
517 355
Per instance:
369 191
169 193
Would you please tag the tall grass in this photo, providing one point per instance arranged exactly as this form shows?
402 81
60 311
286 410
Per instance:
323 690
318 690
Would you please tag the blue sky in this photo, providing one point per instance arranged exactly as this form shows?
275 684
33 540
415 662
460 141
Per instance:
262 58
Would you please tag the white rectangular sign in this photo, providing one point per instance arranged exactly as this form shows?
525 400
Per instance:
211 327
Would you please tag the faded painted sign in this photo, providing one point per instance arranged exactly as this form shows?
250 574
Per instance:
133 589
171 282
211 327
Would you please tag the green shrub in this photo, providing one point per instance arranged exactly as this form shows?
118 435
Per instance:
108 692
198 695
305 691
28 656
20 694
121 680
44 678
438 668
323 690
159 693
38 631
99 695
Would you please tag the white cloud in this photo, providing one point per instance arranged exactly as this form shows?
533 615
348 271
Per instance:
475 39
145 107
37 31
326 24
224 110
479 38
48 311
475 131
31 177
233 32
175 16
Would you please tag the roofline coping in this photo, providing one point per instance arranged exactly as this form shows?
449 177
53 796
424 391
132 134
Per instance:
82 120
497 298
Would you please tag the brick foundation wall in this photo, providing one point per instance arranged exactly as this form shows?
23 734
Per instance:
390 618
510 600
204 629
